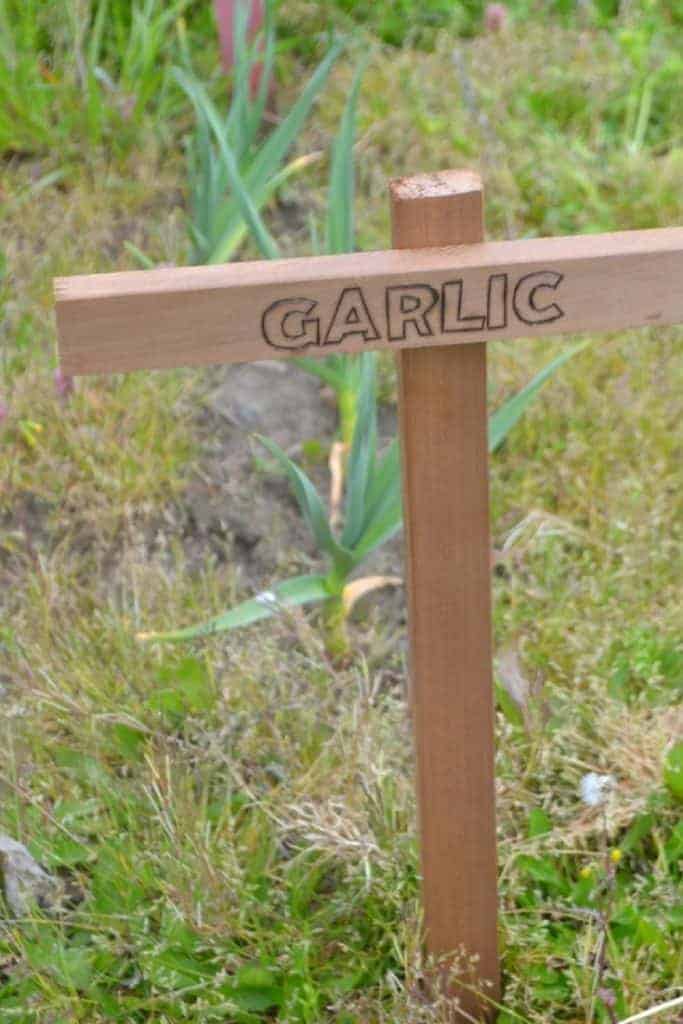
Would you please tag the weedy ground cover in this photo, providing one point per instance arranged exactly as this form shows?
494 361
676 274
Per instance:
77 75
234 826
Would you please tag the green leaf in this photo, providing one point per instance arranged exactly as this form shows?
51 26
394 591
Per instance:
311 506
247 207
274 150
383 512
340 197
95 41
88 770
184 688
674 844
326 369
504 419
170 968
262 56
255 988
361 464
142 258
509 707
231 186
241 72
640 828
287 594
544 872
228 227
384 525
549 985
128 741
673 771
539 823
386 480
61 851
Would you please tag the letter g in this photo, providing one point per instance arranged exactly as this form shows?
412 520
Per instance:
287 323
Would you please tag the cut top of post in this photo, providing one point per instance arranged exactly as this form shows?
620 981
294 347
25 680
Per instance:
483 291
439 217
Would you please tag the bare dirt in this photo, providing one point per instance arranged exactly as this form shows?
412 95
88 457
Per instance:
231 493
235 508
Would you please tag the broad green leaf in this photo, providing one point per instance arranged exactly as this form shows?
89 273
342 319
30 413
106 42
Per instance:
504 419
254 988
539 824
544 871
185 687
128 741
287 594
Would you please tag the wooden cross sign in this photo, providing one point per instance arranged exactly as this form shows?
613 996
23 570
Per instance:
435 299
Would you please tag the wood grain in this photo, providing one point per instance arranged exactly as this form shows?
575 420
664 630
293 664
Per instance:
435 296
443 419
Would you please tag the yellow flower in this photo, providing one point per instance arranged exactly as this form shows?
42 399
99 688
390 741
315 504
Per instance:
615 855
586 872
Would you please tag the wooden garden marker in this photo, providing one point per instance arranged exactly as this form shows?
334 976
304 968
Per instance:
444 442
435 299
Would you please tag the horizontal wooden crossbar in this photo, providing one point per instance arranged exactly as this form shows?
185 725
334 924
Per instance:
241 312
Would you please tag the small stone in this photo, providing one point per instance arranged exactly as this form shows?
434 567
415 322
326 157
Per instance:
595 789
25 882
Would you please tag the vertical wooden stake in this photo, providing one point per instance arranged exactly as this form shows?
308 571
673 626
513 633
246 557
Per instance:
443 419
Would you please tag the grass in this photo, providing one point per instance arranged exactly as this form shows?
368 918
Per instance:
235 828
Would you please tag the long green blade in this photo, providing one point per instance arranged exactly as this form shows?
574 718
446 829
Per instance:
280 141
387 475
240 82
311 506
263 55
259 175
325 369
245 203
230 229
361 465
288 594
340 200
504 419
384 524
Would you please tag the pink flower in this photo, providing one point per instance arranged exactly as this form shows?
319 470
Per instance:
495 17
4 410
64 384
